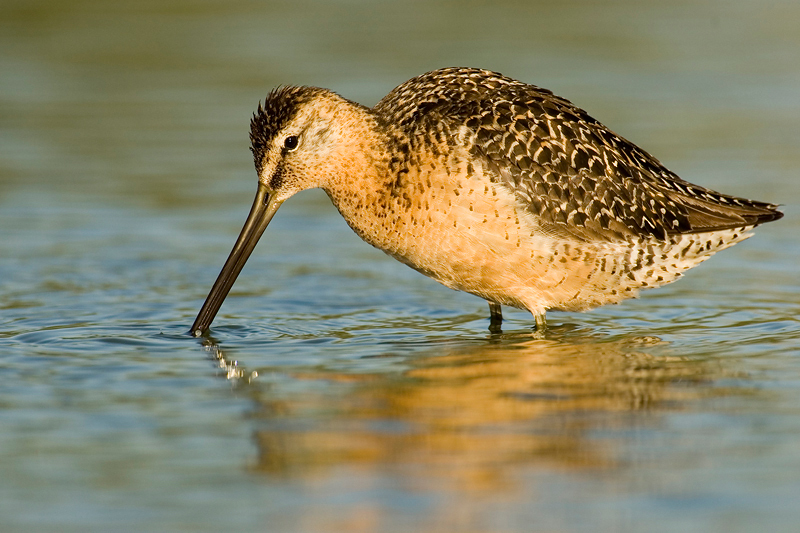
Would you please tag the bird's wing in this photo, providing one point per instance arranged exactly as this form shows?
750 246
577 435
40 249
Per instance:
578 176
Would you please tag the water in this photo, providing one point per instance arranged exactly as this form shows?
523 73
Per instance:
342 391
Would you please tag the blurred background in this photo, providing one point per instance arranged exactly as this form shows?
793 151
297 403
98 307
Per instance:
342 391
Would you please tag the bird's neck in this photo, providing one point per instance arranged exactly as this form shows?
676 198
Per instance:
367 180
361 201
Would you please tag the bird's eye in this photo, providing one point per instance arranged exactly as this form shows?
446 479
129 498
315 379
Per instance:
291 142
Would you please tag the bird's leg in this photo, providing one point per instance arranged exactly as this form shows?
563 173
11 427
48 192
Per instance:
541 322
495 317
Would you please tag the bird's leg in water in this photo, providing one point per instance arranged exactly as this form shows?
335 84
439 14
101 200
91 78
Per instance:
495 317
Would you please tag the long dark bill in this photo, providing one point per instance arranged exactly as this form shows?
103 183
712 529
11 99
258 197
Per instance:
264 208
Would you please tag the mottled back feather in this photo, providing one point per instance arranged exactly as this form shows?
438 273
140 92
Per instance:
577 176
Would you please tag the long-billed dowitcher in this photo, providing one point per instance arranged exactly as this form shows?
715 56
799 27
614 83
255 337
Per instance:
490 186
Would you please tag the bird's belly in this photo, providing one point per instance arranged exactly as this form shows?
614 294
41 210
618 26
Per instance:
477 240
534 273
513 263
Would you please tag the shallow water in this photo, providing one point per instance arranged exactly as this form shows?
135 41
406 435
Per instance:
341 391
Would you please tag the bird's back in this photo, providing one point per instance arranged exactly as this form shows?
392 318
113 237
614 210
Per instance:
569 170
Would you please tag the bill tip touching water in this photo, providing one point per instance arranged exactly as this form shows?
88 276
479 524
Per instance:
490 186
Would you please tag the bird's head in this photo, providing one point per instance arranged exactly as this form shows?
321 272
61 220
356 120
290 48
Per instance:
301 139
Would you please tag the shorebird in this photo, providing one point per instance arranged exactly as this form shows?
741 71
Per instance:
490 186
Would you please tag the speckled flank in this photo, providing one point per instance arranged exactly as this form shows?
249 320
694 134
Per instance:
497 188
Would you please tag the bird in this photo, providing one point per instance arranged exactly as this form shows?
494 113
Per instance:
487 185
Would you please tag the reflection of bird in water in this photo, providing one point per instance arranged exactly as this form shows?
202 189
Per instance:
469 417
489 186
